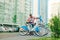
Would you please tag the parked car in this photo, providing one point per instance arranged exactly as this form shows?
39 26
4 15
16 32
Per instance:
2 29
15 29
10 29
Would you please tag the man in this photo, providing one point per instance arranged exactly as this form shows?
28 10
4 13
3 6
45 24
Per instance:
31 19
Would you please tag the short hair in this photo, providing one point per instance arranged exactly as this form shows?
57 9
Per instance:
30 14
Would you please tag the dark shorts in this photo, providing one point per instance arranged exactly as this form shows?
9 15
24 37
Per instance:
30 23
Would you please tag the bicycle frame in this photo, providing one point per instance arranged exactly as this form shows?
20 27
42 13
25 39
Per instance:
28 28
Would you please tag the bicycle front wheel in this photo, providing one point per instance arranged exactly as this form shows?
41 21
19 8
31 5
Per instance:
42 32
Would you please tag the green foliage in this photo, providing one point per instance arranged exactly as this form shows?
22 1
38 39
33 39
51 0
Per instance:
45 38
55 26
14 19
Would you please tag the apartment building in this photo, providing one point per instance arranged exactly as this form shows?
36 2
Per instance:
40 8
55 9
15 11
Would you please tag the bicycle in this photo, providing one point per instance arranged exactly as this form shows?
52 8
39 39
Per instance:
38 30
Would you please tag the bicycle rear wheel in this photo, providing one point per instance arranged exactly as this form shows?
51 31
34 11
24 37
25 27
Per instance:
22 32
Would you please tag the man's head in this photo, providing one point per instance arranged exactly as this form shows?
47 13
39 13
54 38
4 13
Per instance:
30 15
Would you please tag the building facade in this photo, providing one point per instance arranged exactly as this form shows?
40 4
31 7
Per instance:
40 8
8 11
15 11
44 10
24 9
55 9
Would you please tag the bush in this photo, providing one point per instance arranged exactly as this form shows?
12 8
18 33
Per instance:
55 26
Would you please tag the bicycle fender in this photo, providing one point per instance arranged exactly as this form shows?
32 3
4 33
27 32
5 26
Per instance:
24 27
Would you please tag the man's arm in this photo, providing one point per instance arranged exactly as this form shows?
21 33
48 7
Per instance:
39 18
28 20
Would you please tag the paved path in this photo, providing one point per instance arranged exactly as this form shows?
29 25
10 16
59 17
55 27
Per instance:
19 38
15 36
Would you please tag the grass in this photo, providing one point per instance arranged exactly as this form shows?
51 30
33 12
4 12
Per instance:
45 38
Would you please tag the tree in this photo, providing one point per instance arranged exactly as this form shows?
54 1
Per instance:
14 18
55 26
